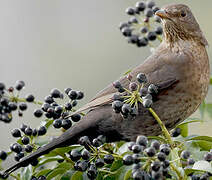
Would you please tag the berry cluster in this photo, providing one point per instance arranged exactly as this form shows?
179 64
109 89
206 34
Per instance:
9 103
128 100
25 143
60 113
91 157
142 28
158 164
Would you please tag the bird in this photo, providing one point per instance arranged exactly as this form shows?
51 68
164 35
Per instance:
179 67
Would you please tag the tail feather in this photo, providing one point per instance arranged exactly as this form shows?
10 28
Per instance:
85 127
25 161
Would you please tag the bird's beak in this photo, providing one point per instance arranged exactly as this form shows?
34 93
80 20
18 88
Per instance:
162 14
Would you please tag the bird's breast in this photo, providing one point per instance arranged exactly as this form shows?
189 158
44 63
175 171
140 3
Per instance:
184 98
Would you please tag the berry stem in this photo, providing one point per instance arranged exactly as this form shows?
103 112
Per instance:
169 139
159 38
163 127
106 171
17 99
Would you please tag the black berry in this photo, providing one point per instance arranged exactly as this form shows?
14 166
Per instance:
42 131
38 113
141 5
128 160
130 11
208 157
72 94
156 166
165 149
133 86
161 156
99 163
28 148
3 155
75 117
155 144
16 133
117 105
142 140
57 123
185 154
25 140
92 172
19 85
148 12
55 93
22 106
108 159
30 98
75 155
147 103
28 131
151 36
85 154
176 132
150 151
66 123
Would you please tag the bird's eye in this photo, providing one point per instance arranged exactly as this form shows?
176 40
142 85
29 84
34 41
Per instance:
183 14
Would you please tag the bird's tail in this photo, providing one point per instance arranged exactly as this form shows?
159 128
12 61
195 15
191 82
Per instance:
25 161
70 137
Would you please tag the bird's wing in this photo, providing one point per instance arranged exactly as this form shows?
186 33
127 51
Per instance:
160 70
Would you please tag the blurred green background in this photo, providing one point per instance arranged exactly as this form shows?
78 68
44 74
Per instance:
72 43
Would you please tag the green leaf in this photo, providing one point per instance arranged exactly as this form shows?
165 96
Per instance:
47 123
184 130
211 81
64 165
123 149
77 176
43 172
202 109
189 120
58 177
47 160
55 173
205 138
159 138
119 144
202 166
205 145
204 142
68 174
116 165
184 125
19 141
62 150
194 148
122 171
128 174
209 109
26 173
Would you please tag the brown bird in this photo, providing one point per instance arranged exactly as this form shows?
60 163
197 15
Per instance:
179 67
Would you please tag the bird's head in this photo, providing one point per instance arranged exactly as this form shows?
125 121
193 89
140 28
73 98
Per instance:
179 23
